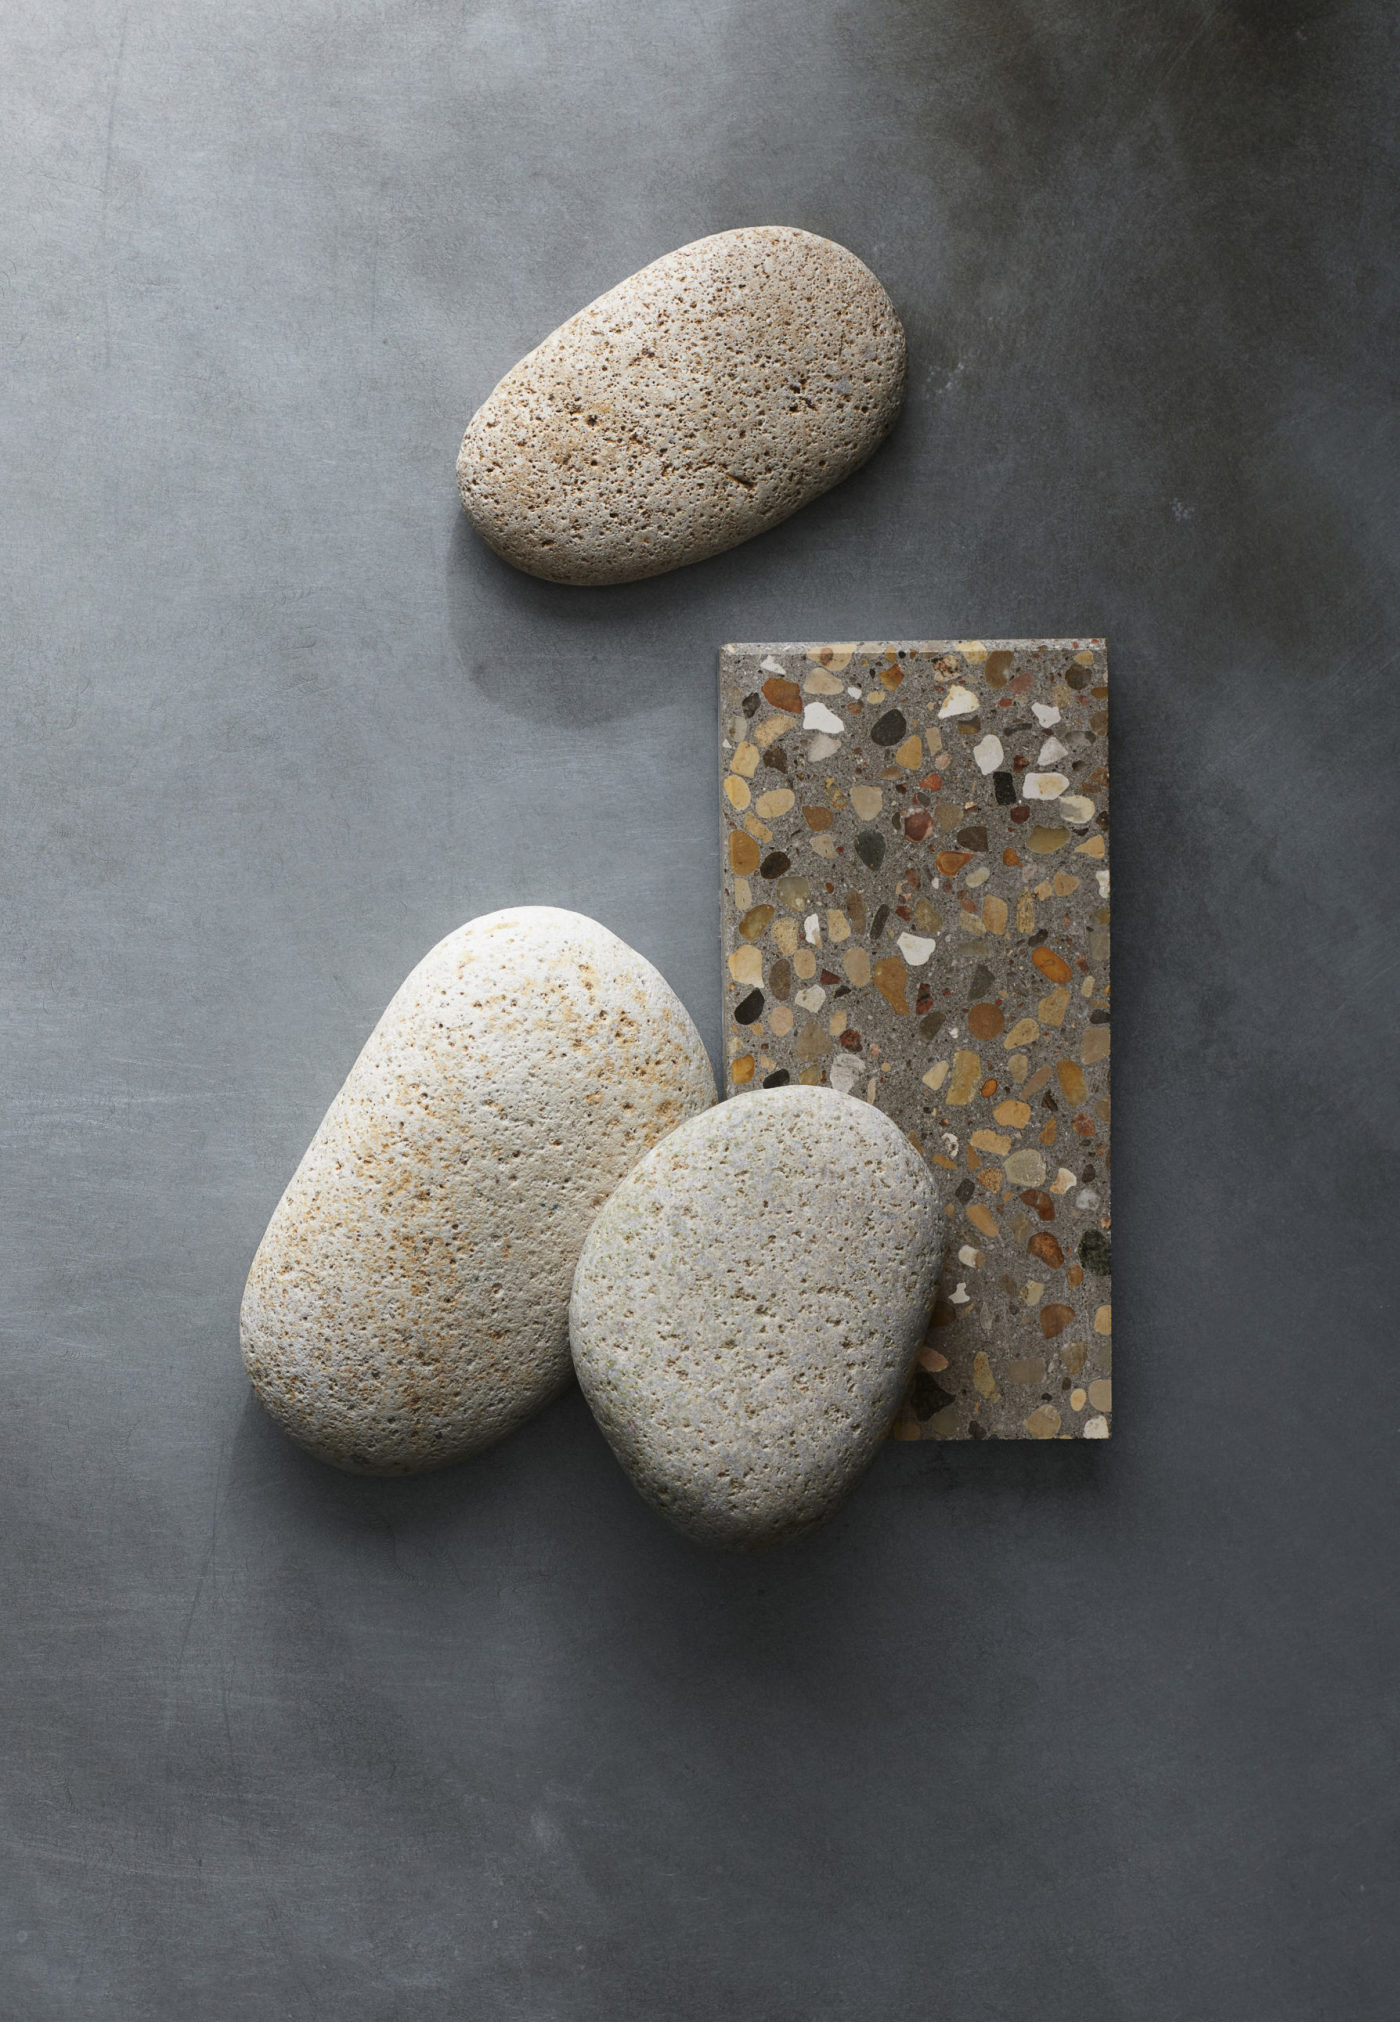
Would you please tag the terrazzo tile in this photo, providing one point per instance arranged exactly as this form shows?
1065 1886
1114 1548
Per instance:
914 911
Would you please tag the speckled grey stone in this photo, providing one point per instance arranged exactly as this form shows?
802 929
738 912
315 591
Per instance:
697 403
409 1301
748 1306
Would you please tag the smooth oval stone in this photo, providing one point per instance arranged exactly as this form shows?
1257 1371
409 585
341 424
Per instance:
694 405
748 1306
409 1302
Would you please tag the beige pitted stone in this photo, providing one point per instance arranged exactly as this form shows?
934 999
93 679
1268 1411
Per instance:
409 1301
694 405
748 1306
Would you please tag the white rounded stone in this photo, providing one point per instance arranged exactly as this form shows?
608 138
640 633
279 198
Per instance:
409 1302
748 1306
694 405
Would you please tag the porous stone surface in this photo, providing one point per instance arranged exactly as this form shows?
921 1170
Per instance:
748 1306
409 1302
694 405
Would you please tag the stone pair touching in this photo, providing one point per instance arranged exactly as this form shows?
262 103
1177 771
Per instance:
525 1174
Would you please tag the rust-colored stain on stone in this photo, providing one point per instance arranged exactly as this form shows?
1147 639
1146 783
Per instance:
408 1304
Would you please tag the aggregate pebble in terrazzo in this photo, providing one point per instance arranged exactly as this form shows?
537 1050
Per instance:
916 878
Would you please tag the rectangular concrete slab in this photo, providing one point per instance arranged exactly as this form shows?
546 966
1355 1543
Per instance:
915 911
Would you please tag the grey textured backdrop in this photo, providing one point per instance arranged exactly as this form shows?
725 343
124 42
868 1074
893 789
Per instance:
1060 1732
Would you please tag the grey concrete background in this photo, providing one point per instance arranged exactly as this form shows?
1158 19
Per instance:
1051 1733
